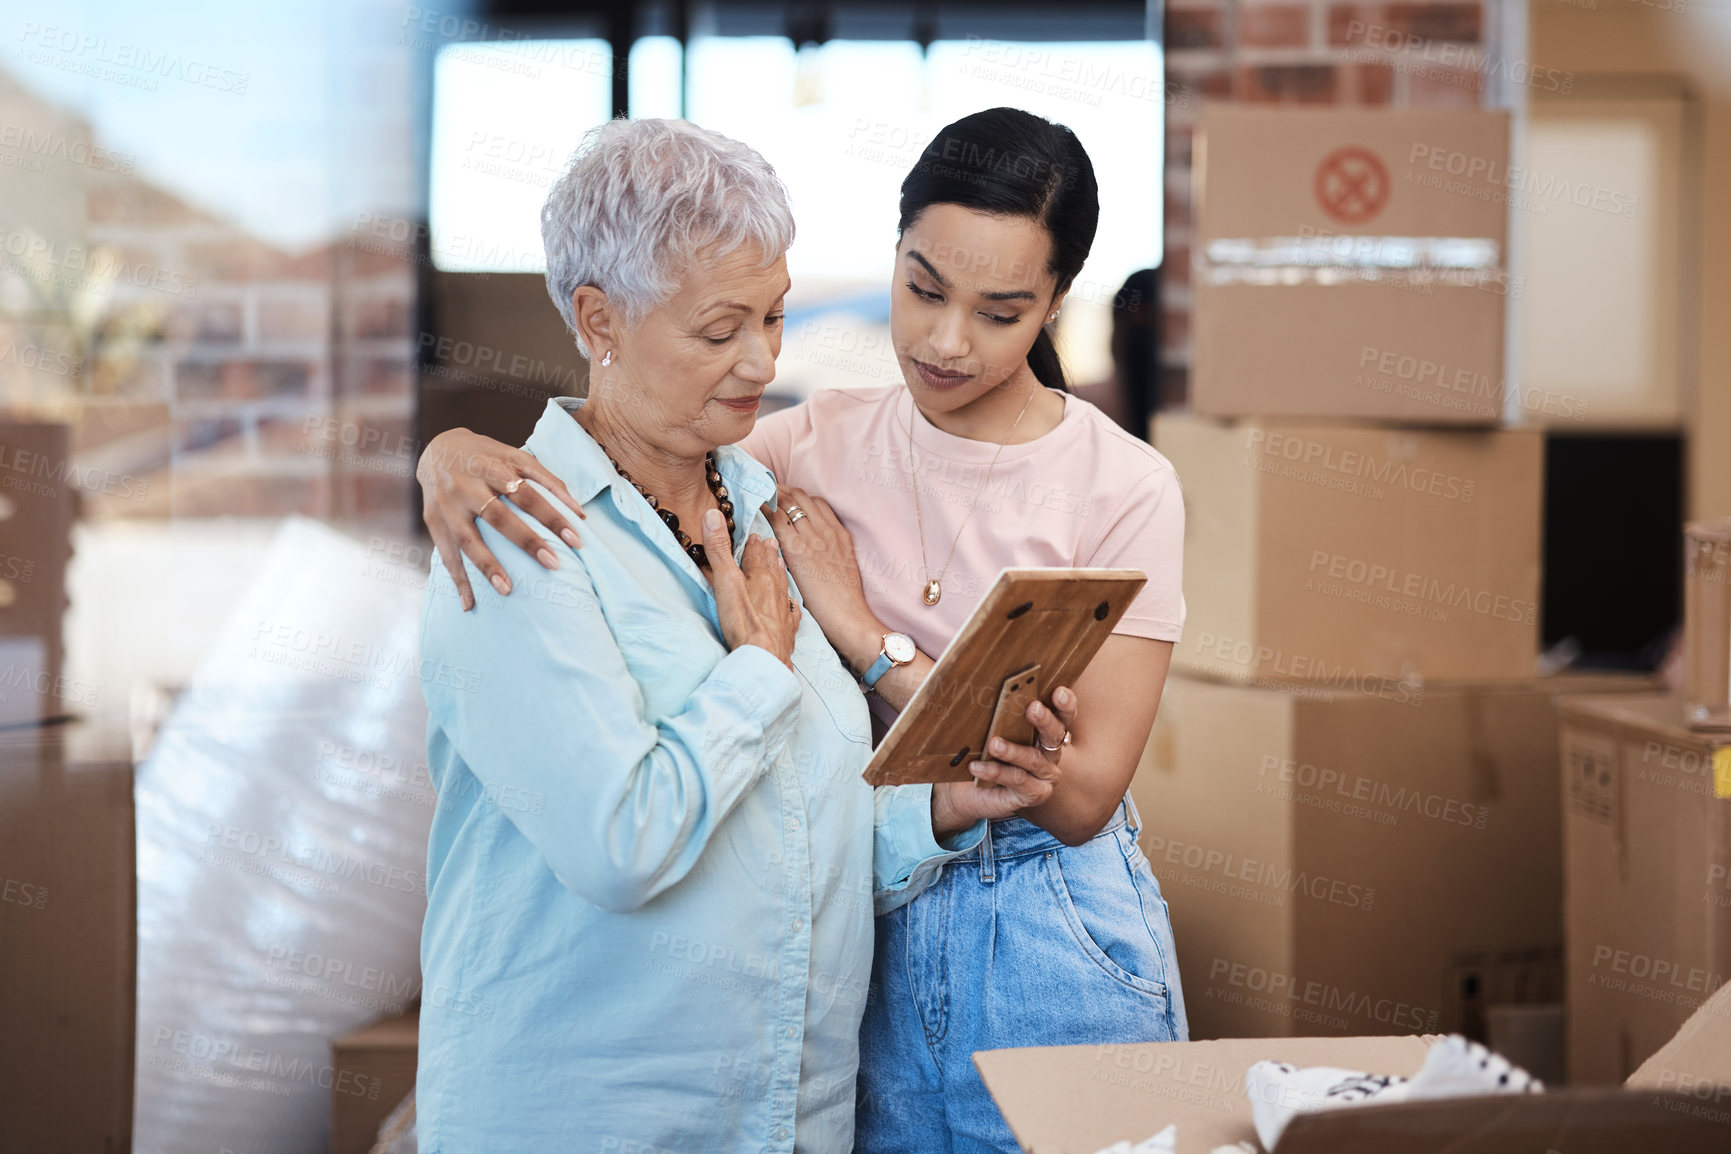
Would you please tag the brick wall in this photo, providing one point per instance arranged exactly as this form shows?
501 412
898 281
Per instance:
203 371
1312 52
247 380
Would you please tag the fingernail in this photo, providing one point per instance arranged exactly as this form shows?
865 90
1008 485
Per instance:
998 745
976 767
502 585
1037 709
468 602
571 538
712 520
545 556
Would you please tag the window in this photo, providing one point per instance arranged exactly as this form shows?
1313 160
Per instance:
506 117
842 123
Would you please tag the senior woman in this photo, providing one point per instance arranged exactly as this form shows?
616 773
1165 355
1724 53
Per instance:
653 862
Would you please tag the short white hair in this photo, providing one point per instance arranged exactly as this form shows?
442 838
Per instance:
640 198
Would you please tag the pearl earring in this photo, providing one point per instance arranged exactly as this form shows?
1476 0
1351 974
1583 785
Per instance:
608 359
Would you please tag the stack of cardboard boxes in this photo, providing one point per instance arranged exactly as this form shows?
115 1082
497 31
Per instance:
66 835
1351 798
1647 839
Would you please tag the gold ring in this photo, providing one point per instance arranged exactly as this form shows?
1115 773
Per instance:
510 487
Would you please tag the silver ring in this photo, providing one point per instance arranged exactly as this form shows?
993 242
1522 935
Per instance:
1040 744
794 513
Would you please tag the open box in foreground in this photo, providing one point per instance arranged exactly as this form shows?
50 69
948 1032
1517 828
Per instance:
1080 1099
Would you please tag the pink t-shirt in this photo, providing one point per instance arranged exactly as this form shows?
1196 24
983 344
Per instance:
1085 494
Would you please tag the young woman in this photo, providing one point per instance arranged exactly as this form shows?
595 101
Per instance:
897 508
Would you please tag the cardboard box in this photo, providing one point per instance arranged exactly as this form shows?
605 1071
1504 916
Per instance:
67 940
1081 1099
1359 864
1530 1036
1697 1059
380 1055
39 497
1348 555
1647 876
1707 623
1350 263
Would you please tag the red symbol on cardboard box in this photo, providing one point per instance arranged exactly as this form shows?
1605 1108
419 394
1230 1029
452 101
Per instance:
1352 185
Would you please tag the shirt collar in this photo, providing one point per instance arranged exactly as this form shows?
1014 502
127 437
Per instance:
566 448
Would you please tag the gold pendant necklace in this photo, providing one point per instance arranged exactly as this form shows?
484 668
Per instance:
935 585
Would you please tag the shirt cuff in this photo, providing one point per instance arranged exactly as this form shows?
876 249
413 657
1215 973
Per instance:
911 856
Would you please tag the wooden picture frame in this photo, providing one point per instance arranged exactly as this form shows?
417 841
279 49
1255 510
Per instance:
1034 630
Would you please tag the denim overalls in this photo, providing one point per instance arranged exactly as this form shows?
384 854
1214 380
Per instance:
1023 941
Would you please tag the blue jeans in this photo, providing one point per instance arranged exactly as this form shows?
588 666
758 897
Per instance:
1022 942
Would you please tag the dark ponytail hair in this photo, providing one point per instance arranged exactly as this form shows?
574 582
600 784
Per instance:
1008 162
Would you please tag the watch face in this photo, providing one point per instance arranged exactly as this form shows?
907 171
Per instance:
900 647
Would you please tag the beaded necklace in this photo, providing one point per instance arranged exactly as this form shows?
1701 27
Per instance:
711 474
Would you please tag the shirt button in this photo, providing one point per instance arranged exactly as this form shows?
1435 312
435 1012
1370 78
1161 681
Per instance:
792 1031
781 1134
792 824
798 924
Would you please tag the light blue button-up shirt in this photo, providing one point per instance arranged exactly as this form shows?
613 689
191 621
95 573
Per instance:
653 864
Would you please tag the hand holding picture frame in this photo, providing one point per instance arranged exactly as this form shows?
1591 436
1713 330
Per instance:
1034 630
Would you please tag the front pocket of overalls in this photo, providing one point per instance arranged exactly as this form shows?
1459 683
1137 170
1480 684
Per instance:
1112 902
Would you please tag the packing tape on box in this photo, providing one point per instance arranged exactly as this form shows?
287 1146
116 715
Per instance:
1722 771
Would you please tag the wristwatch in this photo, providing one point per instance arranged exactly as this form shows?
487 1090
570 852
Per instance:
898 649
